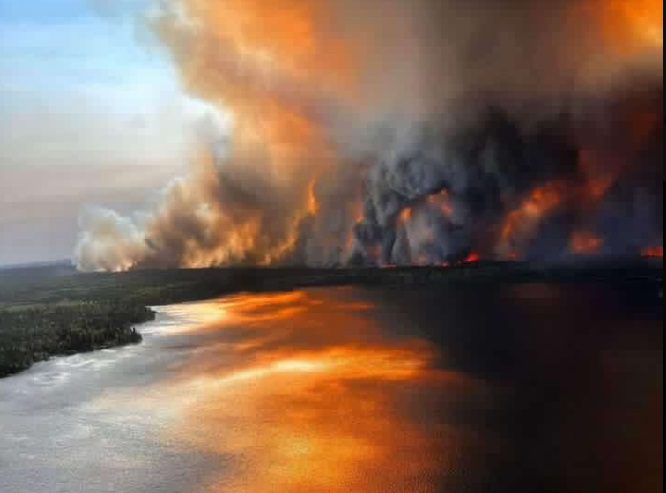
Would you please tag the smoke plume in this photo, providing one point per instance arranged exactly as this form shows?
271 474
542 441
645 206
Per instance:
407 132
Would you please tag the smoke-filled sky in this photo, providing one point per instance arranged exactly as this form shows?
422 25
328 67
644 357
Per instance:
329 132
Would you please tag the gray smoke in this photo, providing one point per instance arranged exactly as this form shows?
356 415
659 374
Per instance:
402 132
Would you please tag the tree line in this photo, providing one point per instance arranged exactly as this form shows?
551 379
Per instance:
34 333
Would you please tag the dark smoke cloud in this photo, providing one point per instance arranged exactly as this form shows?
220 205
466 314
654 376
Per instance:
491 168
399 132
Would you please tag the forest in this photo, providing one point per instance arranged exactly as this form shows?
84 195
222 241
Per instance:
33 333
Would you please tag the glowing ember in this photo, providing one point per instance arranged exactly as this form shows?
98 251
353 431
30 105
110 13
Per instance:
585 243
633 25
313 203
656 252
406 215
521 224
472 257
442 201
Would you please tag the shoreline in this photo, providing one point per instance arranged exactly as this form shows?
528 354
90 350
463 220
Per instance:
37 333
45 314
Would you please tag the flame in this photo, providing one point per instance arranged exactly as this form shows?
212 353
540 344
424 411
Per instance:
598 178
197 199
585 243
521 223
655 251
632 25
269 65
473 257
313 203
277 252
405 215
442 201
357 213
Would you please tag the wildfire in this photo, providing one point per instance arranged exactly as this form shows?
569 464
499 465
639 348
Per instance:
521 223
599 180
632 25
585 243
473 257
302 81
259 61
313 203
654 252
406 215
442 201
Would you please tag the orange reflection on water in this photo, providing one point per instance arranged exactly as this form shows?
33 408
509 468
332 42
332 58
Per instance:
318 400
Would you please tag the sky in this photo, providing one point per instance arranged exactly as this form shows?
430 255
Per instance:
92 114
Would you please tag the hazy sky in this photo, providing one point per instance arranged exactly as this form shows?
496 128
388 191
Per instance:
91 113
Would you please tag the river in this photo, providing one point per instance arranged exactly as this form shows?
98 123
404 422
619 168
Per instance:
515 388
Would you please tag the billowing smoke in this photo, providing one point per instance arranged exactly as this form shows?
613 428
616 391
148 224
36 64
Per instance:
407 131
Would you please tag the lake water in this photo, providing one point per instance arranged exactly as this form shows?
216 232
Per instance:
519 388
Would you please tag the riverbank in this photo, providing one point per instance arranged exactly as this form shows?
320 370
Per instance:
35 332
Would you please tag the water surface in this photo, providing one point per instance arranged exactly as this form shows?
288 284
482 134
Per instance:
524 388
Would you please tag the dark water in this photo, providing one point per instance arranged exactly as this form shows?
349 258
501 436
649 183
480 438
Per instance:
516 388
